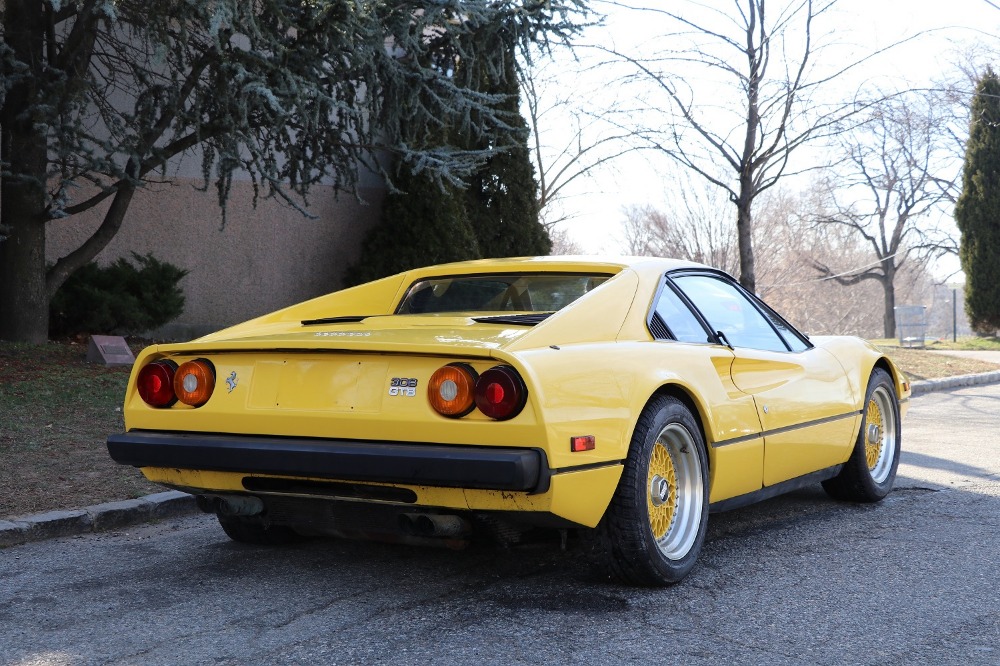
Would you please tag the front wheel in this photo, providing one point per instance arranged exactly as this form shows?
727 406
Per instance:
871 470
653 529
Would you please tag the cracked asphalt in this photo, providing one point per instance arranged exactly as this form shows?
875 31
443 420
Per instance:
796 580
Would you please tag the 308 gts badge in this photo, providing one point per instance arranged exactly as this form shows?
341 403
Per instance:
404 386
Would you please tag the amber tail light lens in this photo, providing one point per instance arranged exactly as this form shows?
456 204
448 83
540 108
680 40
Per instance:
155 383
501 393
194 382
451 390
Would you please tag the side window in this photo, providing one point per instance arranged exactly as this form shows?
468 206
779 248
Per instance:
683 324
794 342
729 311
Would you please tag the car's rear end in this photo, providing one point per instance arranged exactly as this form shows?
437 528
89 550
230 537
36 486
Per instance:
377 426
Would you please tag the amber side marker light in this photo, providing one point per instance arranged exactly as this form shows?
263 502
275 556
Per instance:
582 443
155 383
194 382
451 390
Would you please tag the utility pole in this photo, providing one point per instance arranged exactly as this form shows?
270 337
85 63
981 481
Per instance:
954 315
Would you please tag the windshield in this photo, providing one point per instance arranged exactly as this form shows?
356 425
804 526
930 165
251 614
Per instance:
537 292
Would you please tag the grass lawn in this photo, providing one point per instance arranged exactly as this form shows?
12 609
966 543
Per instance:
56 411
969 343
918 364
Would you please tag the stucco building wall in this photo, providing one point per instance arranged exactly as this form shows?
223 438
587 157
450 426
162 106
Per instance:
263 259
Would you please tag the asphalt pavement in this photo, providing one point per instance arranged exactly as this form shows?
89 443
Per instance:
800 579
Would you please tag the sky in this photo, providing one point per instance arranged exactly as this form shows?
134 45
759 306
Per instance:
595 205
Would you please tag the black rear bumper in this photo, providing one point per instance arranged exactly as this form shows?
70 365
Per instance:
411 463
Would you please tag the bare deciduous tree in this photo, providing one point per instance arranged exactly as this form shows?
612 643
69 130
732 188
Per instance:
562 243
569 142
694 228
897 173
774 59
790 244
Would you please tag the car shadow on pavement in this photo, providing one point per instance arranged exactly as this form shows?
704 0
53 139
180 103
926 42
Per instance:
944 464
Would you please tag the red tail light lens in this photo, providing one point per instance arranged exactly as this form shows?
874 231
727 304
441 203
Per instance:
451 390
194 382
155 384
501 393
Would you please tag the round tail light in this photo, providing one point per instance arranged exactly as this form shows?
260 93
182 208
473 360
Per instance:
501 393
155 383
194 382
451 390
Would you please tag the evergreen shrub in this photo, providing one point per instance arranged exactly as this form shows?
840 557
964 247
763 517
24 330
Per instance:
423 223
976 212
120 298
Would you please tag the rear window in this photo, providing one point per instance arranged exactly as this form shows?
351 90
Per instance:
538 292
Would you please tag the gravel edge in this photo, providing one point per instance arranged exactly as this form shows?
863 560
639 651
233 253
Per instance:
947 383
115 515
97 518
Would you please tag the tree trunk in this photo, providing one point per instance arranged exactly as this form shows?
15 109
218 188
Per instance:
889 292
744 204
24 304
744 231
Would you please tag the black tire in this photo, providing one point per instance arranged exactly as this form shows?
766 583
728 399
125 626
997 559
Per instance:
871 470
252 530
654 527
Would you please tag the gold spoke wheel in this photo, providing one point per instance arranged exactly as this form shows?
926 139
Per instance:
662 498
674 491
873 440
880 434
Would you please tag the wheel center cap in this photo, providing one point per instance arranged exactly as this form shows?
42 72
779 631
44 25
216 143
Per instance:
659 490
874 434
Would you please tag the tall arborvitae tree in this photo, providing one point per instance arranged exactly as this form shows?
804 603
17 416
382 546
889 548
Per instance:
97 95
423 223
978 209
502 197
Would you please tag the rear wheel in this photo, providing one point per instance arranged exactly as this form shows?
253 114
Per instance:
654 527
250 529
871 470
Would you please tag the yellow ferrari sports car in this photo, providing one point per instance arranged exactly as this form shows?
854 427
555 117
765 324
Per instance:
628 398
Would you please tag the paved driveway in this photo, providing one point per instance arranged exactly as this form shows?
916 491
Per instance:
797 580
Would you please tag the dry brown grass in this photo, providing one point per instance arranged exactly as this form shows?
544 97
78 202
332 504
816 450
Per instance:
925 364
55 412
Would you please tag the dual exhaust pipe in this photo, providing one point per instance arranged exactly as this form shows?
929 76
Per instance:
425 525
230 505
434 525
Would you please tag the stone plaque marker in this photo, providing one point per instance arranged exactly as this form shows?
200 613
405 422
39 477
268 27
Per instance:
109 350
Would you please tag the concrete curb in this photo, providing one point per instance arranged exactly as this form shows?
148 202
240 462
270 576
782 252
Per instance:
97 518
947 383
115 515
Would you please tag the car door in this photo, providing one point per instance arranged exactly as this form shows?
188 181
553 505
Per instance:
734 430
803 397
